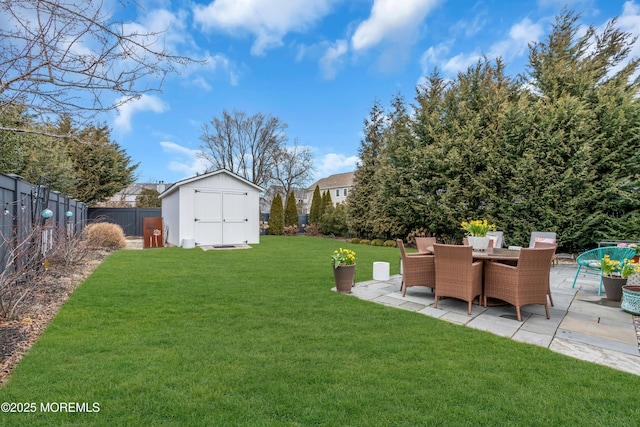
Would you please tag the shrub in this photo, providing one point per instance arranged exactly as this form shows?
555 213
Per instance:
312 230
105 235
365 242
419 232
68 249
377 242
290 230
390 243
334 220
355 240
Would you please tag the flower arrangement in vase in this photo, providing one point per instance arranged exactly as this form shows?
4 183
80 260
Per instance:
476 231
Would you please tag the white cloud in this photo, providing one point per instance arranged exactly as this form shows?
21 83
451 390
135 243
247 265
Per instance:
185 160
629 21
144 103
202 84
391 19
332 57
515 45
336 163
520 35
268 20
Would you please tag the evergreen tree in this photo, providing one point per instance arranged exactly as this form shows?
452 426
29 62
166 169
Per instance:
148 198
316 206
326 202
366 182
103 167
276 216
291 211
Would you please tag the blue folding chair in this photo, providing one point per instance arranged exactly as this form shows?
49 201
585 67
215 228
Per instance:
589 261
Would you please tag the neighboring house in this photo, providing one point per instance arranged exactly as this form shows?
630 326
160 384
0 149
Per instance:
299 193
217 208
338 186
127 198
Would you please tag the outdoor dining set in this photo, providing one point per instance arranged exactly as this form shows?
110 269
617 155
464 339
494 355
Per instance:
496 275
517 276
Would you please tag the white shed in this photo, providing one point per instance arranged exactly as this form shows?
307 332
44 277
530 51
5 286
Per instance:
218 208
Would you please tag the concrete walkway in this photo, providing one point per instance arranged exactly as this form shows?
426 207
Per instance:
582 325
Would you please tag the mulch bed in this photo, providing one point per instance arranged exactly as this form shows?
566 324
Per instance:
53 289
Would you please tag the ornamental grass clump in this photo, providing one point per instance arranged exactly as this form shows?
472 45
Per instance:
343 257
477 227
104 235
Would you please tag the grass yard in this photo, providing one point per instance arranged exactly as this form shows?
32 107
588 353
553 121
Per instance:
256 337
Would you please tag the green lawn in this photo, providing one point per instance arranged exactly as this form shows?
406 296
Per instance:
256 337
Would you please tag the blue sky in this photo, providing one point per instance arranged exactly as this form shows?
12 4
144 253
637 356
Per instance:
319 65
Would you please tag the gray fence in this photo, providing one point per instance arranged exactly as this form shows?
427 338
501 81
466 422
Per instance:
130 219
22 205
303 219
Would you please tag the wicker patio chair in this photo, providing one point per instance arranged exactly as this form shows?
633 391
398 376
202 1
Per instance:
554 259
526 283
416 270
423 243
589 261
457 276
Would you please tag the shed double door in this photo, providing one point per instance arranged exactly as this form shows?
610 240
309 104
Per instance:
220 217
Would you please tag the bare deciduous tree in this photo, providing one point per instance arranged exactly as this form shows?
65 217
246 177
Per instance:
248 146
63 57
293 167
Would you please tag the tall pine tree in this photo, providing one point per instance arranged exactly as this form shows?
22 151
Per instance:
276 216
291 211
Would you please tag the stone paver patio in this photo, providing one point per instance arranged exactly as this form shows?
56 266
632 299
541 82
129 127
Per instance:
583 324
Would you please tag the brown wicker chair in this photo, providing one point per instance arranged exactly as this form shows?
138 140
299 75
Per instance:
457 275
416 270
423 243
526 283
554 259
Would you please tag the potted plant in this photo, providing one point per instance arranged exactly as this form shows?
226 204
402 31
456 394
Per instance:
476 231
344 269
631 292
615 274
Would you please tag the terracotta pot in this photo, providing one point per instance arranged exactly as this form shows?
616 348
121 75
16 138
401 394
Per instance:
613 287
345 277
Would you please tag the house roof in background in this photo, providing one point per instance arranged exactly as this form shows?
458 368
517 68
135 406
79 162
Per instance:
333 181
136 188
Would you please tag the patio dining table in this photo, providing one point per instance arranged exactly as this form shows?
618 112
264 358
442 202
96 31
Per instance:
493 254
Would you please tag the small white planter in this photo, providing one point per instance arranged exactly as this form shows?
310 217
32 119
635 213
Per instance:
479 243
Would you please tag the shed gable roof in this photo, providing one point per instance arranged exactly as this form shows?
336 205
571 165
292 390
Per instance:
178 184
